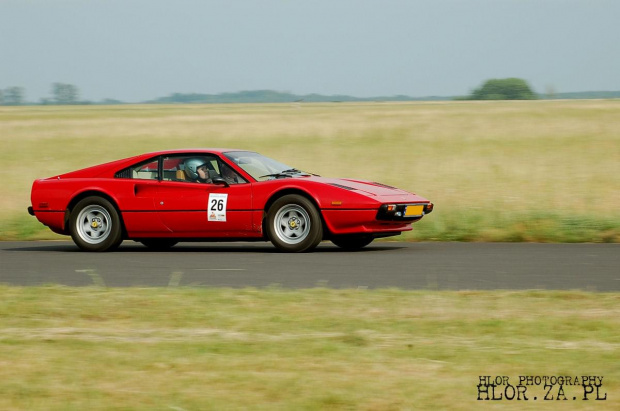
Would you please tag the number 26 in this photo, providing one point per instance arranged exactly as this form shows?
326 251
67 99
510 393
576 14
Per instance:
217 205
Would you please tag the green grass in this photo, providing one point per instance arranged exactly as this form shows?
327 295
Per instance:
497 171
95 348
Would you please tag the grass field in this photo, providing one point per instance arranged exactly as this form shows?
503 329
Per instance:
497 171
273 349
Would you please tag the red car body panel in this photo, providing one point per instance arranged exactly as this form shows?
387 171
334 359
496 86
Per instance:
178 209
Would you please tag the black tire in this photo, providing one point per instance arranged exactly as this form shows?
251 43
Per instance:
159 244
294 224
352 242
95 225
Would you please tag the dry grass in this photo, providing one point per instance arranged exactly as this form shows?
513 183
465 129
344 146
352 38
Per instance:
496 170
92 348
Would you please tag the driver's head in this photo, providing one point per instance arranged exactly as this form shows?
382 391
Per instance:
203 172
195 168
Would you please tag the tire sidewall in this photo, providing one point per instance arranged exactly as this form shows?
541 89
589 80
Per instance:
113 239
315 234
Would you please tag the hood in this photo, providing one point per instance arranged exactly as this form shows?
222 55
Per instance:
366 187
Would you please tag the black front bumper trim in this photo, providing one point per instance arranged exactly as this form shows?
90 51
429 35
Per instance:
398 213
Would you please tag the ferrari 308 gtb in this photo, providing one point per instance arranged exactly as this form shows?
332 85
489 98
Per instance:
162 198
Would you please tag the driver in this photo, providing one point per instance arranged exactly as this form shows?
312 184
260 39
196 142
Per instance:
196 170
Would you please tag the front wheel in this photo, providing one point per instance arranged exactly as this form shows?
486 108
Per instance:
95 225
294 224
352 242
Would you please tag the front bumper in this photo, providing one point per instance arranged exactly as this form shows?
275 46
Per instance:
404 212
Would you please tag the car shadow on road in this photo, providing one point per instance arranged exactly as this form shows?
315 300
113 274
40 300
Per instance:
205 248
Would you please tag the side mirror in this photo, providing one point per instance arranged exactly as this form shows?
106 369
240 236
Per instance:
220 181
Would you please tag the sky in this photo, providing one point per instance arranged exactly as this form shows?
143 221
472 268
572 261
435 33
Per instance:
137 50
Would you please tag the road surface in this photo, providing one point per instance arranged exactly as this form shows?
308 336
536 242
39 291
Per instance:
453 266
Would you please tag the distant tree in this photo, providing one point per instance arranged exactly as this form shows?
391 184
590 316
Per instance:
65 93
504 89
12 96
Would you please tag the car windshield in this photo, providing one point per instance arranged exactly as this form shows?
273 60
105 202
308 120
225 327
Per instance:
260 167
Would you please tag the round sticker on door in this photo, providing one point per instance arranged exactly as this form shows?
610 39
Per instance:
217 207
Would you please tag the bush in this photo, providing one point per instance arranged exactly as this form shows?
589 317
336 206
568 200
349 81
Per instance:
504 89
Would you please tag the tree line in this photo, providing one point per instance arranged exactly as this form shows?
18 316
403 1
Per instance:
493 89
62 94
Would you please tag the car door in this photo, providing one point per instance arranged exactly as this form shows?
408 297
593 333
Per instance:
198 209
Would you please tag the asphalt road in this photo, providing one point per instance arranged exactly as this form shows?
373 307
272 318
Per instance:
455 266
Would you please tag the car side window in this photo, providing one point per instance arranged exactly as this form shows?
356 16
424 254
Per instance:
173 169
189 168
144 171
228 174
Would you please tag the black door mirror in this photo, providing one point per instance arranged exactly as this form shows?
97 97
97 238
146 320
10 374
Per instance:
220 181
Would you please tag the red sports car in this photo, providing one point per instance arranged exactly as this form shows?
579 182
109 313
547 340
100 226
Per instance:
165 197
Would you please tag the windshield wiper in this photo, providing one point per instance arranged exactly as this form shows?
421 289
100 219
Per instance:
283 173
276 175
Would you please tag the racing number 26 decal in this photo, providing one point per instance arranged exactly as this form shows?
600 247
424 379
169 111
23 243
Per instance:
217 207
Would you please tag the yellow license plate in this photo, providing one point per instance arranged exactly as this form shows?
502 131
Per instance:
414 210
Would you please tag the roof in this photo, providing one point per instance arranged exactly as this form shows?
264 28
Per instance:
192 150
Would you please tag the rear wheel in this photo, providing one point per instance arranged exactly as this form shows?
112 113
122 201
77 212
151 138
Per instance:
95 225
352 242
159 244
294 224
